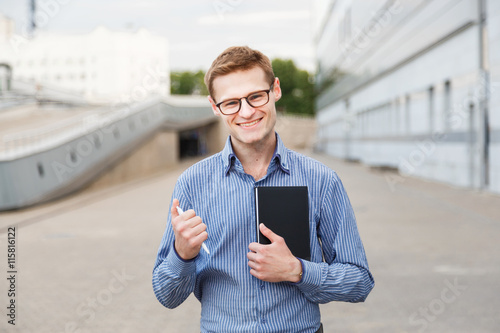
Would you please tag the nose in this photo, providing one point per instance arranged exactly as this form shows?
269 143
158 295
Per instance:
246 110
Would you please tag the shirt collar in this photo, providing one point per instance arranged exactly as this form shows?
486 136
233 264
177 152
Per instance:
280 155
228 155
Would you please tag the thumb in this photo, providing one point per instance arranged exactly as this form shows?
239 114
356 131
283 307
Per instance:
268 233
173 209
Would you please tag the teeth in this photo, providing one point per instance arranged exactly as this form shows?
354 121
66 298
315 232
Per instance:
250 124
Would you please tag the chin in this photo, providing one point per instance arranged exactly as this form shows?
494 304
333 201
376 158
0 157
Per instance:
253 138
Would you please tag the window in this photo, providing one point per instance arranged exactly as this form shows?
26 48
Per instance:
447 105
407 114
345 27
431 110
41 171
397 117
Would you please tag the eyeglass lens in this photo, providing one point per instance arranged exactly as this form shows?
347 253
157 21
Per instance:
255 99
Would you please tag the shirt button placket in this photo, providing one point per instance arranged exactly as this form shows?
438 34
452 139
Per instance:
261 306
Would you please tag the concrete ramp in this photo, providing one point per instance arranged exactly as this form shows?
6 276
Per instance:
38 165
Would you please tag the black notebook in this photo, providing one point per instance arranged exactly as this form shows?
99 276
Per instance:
285 210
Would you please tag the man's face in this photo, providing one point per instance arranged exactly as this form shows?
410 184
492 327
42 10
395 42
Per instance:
251 126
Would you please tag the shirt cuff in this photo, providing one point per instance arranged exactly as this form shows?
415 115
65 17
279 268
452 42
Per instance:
302 265
179 266
311 277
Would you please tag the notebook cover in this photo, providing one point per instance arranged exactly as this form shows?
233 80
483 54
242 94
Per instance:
285 210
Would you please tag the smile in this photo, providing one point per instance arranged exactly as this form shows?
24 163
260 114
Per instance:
250 124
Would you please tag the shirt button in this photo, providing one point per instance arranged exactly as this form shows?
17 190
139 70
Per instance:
261 286
263 320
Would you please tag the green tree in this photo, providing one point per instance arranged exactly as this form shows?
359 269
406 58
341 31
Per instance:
187 83
297 88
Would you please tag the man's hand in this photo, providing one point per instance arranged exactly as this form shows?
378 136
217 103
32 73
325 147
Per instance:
189 230
273 262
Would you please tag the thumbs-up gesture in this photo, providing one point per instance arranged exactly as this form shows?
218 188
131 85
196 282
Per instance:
273 262
190 232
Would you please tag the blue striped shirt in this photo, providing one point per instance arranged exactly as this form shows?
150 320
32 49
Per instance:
232 300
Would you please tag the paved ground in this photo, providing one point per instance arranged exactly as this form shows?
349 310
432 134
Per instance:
84 264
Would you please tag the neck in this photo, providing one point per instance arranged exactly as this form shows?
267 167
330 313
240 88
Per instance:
255 158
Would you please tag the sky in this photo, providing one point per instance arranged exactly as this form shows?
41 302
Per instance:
197 30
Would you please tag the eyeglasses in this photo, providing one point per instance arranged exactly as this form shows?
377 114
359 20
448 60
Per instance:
255 99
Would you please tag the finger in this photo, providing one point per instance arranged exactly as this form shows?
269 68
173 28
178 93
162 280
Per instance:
253 265
190 213
268 233
192 222
252 256
189 228
203 236
254 247
257 274
200 238
199 229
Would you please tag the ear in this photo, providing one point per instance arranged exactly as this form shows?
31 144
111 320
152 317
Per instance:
277 89
215 109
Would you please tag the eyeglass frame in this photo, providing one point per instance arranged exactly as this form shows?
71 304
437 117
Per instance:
246 99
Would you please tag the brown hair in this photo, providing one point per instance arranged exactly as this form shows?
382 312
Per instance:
237 58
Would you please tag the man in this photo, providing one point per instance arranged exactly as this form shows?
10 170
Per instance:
244 286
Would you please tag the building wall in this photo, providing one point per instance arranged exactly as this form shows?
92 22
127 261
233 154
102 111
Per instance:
494 106
296 132
412 89
159 153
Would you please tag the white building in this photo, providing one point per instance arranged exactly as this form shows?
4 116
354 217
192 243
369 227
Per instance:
417 87
103 66
6 31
